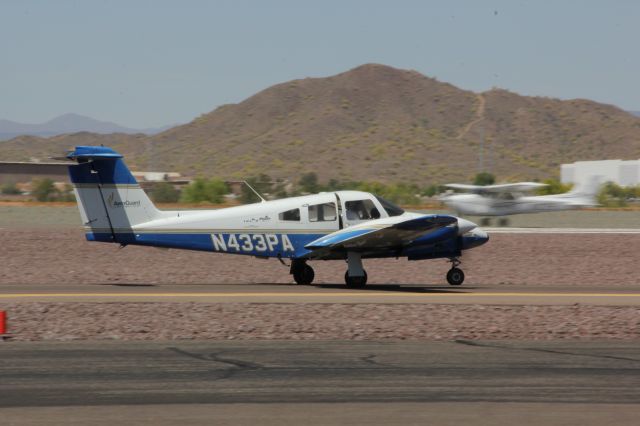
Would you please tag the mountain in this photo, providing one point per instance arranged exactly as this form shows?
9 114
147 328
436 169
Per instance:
636 113
373 122
67 123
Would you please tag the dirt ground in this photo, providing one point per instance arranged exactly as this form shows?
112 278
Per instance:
43 255
51 256
313 321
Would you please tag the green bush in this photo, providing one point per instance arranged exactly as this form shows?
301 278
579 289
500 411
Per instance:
432 190
309 183
484 178
555 187
10 189
164 192
205 190
613 195
44 190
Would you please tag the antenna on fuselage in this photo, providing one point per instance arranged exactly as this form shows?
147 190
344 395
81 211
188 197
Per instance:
254 191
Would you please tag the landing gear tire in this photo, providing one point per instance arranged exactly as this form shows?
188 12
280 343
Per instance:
355 282
455 276
304 275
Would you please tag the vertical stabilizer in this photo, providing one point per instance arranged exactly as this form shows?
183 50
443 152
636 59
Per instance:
588 188
110 200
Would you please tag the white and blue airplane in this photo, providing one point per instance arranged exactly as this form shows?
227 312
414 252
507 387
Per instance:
347 225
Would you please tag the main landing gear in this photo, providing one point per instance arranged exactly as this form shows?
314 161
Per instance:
302 273
455 276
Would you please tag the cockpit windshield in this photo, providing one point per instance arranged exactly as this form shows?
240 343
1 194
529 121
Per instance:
392 209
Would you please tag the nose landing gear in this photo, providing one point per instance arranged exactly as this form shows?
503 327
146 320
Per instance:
455 276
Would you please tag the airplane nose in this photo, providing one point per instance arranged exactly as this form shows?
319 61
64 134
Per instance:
475 238
465 226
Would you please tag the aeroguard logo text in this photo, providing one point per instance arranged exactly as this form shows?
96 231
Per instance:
116 204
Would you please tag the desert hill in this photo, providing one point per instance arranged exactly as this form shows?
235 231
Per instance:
373 122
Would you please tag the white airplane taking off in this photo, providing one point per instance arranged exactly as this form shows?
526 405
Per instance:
506 199
348 225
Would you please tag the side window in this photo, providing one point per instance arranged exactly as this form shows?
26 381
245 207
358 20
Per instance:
322 212
290 215
361 210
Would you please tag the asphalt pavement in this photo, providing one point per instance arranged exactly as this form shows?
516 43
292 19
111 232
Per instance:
320 382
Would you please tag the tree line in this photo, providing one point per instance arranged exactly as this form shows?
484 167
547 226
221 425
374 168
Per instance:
215 191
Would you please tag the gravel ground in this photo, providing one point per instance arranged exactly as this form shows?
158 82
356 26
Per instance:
50 257
41 256
174 321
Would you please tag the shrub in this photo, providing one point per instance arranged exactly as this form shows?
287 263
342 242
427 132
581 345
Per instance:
205 190
10 189
555 187
484 178
309 183
164 192
44 190
613 195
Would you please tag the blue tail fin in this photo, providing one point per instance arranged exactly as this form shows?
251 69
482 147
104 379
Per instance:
109 198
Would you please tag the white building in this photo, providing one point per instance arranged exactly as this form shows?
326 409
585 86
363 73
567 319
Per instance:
624 173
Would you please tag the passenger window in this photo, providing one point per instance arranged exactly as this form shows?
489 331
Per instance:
290 215
361 210
322 212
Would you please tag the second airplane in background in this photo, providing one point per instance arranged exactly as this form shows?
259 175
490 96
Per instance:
510 198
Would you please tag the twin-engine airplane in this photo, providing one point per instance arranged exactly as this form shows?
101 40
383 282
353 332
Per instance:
349 225
509 198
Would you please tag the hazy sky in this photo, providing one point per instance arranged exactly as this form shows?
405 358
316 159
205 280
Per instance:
149 63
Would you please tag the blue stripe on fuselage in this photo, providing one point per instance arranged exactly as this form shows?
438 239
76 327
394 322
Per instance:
249 243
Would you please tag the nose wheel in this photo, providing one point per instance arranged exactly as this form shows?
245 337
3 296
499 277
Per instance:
455 276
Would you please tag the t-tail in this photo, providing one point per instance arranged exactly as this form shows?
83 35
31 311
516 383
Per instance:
110 200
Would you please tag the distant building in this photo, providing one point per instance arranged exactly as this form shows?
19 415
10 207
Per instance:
24 172
13 172
624 173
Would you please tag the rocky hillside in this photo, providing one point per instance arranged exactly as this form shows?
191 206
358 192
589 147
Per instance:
373 122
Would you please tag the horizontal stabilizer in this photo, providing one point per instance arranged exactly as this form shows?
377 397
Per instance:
93 152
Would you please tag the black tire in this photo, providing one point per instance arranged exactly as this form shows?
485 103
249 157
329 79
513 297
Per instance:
304 275
455 276
355 282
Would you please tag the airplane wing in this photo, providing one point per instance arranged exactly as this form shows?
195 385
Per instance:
504 187
381 234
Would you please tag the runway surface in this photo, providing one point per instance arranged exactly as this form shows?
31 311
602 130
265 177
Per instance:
542 230
326 293
382 383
